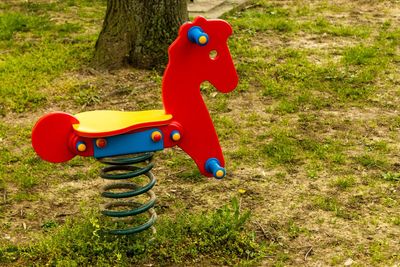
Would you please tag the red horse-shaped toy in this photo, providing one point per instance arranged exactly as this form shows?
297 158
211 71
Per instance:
185 121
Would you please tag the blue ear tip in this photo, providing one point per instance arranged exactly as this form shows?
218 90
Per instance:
198 36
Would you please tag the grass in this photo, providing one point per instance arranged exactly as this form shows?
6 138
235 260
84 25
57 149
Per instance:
394 177
282 149
344 183
309 137
195 238
332 204
28 68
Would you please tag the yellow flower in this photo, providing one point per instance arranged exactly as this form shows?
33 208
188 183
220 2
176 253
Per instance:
241 191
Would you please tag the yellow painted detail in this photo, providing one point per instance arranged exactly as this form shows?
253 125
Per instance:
202 39
104 121
81 147
219 173
176 137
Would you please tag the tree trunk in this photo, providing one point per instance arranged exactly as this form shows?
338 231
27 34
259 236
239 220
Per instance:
138 32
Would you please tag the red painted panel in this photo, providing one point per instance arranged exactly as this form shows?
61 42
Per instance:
189 65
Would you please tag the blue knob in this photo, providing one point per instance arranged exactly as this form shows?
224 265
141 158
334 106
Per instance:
213 166
198 36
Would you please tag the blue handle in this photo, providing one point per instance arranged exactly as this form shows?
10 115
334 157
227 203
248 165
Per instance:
213 166
198 36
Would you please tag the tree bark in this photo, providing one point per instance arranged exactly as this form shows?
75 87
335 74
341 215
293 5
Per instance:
138 32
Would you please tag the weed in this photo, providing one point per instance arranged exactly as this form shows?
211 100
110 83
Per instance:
312 171
286 106
222 105
391 177
188 237
191 175
294 230
332 204
273 88
360 55
390 37
283 25
380 146
282 148
372 161
49 224
85 95
344 182
377 250
25 195
327 203
197 233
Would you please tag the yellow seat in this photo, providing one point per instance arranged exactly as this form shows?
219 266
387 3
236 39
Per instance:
110 122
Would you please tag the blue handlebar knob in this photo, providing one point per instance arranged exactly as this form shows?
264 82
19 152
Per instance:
213 166
198 36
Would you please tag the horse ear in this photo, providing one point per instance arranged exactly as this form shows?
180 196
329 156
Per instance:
199 20
224 28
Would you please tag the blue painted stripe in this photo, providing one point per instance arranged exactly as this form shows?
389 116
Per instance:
129 144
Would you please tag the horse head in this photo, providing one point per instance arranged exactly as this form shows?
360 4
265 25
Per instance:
202 50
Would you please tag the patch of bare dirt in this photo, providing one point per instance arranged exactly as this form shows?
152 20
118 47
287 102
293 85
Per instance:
54 203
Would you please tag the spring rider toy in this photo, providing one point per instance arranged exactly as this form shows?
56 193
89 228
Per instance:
124 139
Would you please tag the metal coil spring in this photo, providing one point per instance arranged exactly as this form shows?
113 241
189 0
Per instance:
123 168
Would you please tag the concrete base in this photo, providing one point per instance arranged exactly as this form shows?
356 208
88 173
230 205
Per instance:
212 9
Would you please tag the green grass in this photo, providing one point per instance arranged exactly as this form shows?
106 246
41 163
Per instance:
33 70
332 204
22 170
195 237
361 55
344 183
282 148
372 161
12 23
323 26
85 95
27 69
396 220
283 20
391 177
295 230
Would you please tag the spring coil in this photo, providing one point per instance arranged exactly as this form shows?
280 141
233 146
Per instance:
124 168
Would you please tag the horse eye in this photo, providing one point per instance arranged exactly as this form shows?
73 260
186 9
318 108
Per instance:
213 54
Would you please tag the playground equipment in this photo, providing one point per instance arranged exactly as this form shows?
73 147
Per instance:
124 139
